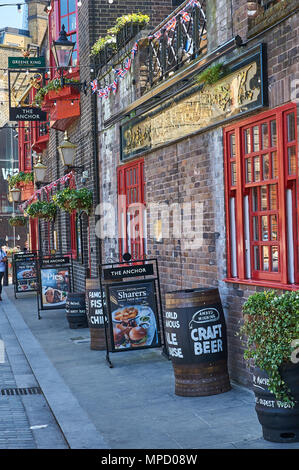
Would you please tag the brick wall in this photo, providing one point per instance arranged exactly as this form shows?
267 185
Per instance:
192 171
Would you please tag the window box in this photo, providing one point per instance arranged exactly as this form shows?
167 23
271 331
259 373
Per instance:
27 190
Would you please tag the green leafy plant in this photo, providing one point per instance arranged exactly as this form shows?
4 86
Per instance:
137 18
52 85
211 74
74 199
101 43
42 210
271 324
21 177
17 221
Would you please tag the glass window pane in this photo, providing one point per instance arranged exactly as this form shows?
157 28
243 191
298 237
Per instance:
274 227
254 199
274 165
292 160
65 23
247 139
273 134
265 258
255 228
273 196
256 258
264 201
248 170
74 58
265 136
274 253
232 146
266 166
63 7
265 233
72 22
256 169
72 6
256 139
233 173
291 126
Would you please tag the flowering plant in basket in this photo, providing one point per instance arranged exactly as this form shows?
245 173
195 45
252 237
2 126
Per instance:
74 199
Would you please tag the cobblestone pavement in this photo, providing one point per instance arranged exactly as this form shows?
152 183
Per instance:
26 421
15 432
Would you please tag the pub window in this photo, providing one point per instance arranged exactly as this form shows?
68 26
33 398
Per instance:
131 210
63 12
261 194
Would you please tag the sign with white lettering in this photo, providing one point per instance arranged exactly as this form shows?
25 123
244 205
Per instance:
128 271
25 272
196 334
27 113
133 318
25 62
94 308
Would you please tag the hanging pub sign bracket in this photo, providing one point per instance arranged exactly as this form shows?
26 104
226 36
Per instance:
25 272
55 280
133 313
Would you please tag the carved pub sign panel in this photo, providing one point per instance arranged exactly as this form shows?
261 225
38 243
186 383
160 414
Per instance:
240 91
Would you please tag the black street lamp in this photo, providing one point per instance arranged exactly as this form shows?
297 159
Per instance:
62 51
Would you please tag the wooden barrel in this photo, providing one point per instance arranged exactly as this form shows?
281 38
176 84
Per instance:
76 310
195 333
95 315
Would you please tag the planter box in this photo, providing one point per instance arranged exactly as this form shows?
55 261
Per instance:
26 191
128 31
65 92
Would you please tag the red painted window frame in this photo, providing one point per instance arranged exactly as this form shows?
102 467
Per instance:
55 17
240 190
135 246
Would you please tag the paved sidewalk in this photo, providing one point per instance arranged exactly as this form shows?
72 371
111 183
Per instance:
131 406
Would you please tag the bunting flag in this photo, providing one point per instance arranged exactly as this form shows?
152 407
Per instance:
47 189
121 72
94 85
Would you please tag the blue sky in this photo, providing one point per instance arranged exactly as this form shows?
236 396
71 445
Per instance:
10 16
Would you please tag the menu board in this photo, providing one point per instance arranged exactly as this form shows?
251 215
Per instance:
95 314
25 271
54 282
133 317
195 335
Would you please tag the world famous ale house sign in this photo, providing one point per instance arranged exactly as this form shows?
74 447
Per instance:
195 333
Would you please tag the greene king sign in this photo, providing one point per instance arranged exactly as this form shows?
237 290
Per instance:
24 62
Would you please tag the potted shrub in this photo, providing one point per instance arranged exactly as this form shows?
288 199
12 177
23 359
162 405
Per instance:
23 181
270 333
74 199
127 26
17 221
42 210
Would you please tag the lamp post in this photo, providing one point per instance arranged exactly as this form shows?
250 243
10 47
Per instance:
39 170
67 152
62 51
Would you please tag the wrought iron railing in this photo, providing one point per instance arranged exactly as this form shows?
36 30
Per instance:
180 38
267 3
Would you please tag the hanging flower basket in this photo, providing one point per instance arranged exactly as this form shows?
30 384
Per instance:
74 199
17 221
42 210
20 179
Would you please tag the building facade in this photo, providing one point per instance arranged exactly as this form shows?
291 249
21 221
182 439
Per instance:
197 151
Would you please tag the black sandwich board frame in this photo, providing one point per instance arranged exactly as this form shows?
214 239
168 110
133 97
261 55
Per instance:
57 261
31 256
115 274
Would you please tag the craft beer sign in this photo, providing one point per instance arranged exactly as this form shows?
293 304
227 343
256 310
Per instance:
196 334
